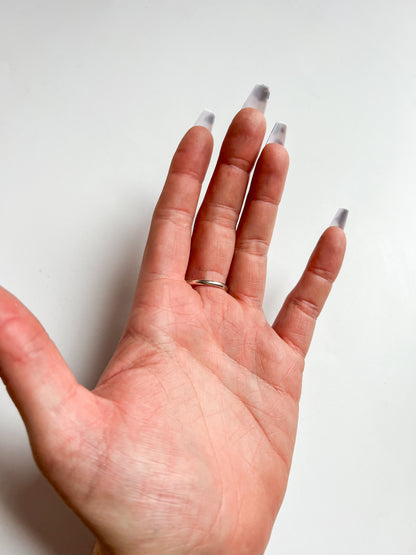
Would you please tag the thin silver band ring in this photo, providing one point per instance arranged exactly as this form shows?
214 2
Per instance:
208 282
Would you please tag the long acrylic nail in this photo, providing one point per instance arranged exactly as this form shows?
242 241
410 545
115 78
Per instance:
206 119
278 134
340 218
258 98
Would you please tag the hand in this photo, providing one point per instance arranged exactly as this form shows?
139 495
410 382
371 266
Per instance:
185 444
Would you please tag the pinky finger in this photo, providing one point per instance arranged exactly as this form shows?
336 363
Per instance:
296 320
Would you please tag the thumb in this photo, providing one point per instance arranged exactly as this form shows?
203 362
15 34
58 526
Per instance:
34 372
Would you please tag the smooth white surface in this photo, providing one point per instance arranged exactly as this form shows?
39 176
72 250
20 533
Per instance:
94 96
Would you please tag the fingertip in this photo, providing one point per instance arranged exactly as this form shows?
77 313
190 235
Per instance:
194 152
20 332
203 138
276 155
199 135
10 307
336 237
283 154
250 119
243 140
330 250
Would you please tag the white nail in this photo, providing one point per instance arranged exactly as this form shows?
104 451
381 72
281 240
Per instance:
258 98
206 119
278 134
340 218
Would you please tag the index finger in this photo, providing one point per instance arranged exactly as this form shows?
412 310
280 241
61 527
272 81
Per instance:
167 249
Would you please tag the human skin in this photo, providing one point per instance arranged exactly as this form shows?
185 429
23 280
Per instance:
185 444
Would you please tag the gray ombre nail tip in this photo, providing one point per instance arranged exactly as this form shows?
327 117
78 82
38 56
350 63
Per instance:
340 218
278 134
206 119
258 98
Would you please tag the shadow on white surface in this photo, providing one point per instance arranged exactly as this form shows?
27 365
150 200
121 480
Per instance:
43 519
107 316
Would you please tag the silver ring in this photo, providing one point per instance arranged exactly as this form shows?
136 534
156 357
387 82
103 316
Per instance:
208 282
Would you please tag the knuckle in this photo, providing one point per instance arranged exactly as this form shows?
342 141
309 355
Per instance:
187 173
239 163
253 247
175 214
221 213
307 307
322 273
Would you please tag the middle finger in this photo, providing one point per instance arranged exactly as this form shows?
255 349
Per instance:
213 238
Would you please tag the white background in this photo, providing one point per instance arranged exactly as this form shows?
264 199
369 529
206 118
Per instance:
94 96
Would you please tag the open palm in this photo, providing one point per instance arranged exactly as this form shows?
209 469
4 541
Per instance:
185 444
